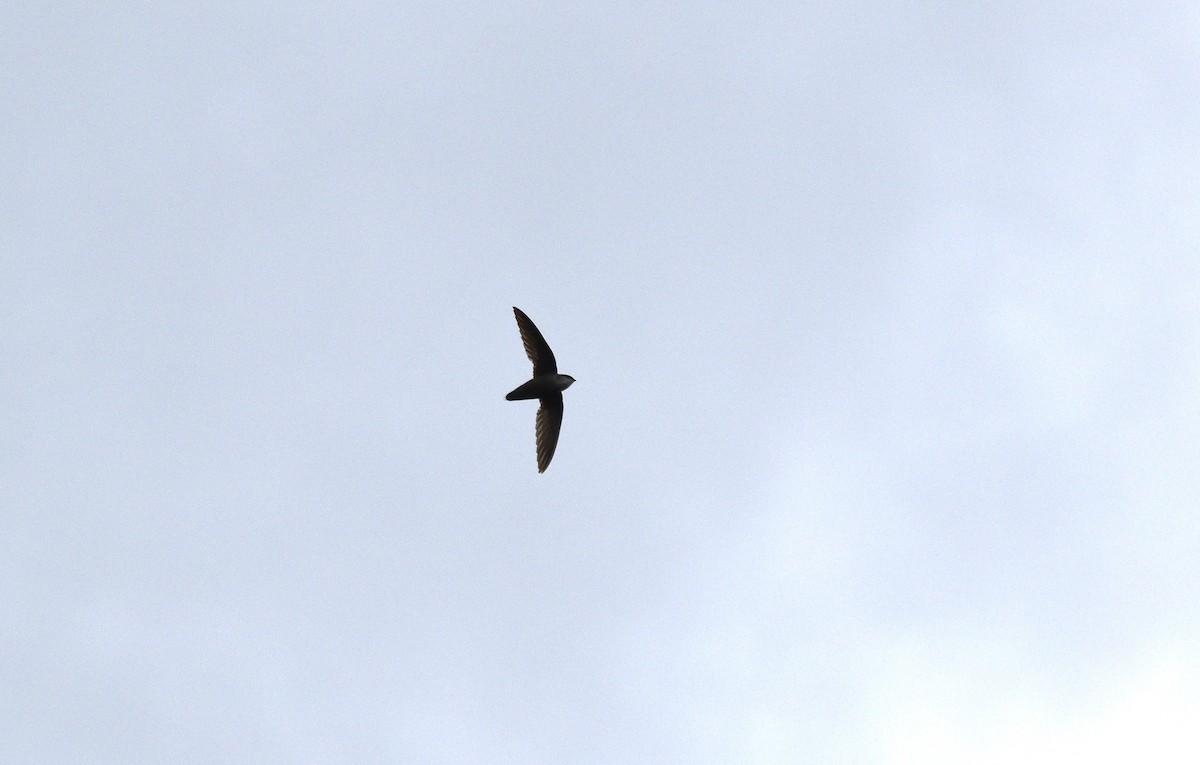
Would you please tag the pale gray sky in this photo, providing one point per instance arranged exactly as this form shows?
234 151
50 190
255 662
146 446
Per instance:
884 445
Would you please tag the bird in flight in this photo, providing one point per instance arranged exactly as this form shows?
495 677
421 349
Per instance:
546 386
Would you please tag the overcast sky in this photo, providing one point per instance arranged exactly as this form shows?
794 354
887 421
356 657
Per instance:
885 442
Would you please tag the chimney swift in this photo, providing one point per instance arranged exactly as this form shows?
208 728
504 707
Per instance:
546 386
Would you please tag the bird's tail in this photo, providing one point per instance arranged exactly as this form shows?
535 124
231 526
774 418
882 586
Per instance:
524 391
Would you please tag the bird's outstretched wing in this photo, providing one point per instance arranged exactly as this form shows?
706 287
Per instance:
537 350
549 420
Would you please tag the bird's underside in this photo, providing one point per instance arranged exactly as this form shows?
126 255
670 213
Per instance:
546 386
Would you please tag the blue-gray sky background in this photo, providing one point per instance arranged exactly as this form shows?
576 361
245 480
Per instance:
884 445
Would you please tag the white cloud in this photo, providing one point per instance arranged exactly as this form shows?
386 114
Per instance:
973 697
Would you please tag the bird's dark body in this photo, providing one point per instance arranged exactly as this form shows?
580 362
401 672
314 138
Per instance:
538 387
